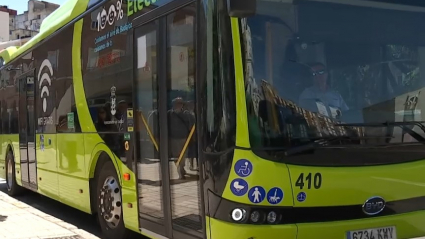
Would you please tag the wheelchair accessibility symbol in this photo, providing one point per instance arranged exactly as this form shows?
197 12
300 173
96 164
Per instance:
243 168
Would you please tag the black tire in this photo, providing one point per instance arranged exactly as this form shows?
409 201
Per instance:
110 230
13 189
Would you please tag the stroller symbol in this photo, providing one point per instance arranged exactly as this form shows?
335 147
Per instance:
239 187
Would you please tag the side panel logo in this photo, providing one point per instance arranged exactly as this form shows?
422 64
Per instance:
373 206
45 77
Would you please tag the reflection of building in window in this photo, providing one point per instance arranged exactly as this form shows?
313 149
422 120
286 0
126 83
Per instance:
318 125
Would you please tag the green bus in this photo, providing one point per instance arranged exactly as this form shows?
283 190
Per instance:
223 119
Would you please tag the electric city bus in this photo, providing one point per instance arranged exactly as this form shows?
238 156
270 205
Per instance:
223 119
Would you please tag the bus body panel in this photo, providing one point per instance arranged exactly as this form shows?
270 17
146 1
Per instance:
12 141
3 148
130 207
47 176
354 185
219 229
409 225
72 172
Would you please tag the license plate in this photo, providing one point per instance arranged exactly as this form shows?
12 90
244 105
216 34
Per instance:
373 233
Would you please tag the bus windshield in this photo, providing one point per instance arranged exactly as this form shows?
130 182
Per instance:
335 82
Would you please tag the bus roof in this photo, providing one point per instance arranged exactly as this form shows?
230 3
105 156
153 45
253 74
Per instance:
59 18
6 54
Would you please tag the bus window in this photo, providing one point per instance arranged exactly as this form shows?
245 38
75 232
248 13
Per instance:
319 71
107 79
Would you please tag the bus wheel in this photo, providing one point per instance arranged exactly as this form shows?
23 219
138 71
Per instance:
13 188
109 203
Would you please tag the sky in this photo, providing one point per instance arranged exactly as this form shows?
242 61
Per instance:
22 5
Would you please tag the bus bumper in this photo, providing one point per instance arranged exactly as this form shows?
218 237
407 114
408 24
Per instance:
217 229
409 225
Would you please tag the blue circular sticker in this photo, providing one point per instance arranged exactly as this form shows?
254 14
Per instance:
243 168
301 197
257 194
239 187
275 195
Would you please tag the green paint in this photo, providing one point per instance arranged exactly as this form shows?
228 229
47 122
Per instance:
70 120
133 6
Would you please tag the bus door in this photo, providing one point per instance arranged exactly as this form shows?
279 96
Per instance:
27 130
166 146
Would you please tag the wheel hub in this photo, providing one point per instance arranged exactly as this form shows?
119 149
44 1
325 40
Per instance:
110 202
9 174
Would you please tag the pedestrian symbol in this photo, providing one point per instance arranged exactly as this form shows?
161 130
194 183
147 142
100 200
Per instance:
275 195
301 197
239 187
256 194
243 168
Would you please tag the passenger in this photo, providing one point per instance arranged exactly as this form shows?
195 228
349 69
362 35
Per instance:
319 91
102 118
192 149
179 129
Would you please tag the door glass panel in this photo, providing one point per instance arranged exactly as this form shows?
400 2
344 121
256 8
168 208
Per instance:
184 177
23 129
31 129
148 163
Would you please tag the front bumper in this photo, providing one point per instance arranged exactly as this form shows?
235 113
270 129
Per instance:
408 225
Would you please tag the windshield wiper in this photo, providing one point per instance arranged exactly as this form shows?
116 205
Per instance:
387 124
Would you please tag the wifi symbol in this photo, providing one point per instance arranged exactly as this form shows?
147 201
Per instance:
45 77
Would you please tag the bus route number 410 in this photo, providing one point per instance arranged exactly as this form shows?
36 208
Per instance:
374 233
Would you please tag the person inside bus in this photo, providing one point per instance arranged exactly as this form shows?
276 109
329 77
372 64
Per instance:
319 97
179 129
102 117
192 149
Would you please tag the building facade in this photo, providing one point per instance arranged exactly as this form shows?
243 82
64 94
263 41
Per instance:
5 15
27 24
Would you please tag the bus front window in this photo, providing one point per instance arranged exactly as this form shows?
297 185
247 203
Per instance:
335 83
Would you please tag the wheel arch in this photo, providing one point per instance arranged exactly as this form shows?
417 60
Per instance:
100 154
9 147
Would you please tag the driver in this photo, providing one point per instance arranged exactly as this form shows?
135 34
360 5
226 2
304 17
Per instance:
319 97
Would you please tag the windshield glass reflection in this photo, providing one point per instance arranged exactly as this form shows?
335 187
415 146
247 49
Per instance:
324 76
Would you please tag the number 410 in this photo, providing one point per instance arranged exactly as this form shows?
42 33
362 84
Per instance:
317 181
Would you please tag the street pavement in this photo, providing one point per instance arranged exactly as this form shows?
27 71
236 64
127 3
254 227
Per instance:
26 217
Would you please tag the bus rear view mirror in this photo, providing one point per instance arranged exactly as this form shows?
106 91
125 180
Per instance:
241 8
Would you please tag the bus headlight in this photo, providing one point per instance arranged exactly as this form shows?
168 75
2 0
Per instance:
272 217
238 214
